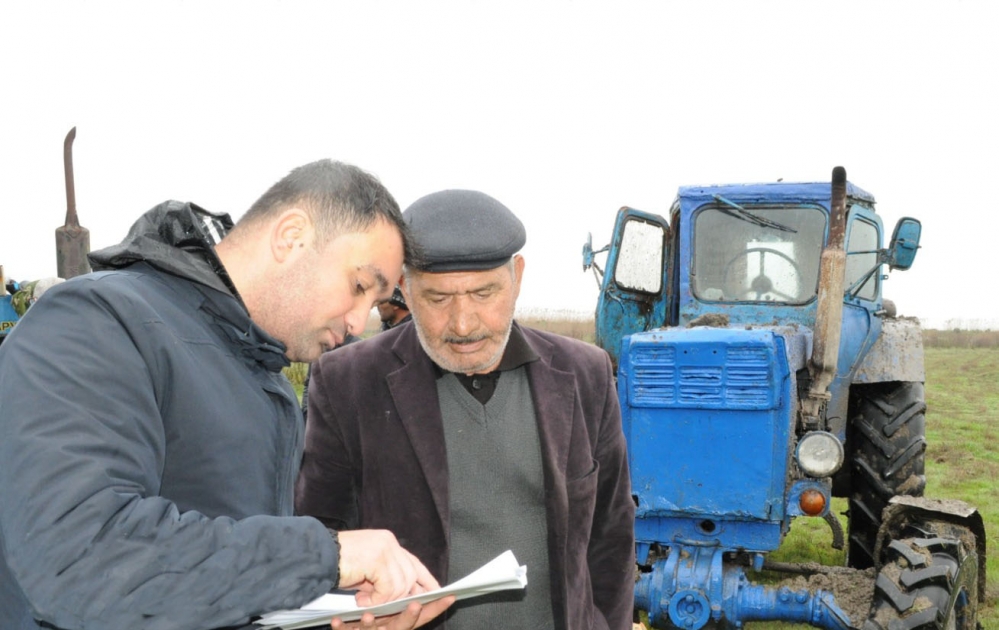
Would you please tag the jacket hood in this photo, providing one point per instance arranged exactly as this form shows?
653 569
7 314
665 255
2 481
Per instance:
175 237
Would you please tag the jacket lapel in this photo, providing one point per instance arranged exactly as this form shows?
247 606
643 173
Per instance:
414 394
554 400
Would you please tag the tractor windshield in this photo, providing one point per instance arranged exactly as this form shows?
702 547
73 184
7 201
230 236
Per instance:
763 254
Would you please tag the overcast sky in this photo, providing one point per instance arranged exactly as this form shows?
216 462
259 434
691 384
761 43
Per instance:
564 111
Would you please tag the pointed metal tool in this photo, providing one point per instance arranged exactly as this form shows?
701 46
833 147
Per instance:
72 240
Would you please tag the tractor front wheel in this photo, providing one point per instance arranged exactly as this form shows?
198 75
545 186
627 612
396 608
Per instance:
929 580
885 445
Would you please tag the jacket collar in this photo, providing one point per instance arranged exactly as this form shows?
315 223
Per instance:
175 237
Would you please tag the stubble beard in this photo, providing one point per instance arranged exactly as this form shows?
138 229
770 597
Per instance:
447 364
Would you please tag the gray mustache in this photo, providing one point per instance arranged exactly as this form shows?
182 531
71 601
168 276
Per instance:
465 340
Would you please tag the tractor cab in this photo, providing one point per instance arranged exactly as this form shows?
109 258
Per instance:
742 255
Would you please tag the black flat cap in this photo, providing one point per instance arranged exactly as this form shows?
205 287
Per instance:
463 230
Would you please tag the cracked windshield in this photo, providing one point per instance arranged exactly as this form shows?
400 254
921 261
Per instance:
757 254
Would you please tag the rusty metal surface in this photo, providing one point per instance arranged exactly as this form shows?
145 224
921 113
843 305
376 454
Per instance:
72 240
829 313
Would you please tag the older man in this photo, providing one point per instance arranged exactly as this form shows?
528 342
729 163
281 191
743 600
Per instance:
150 440
467 434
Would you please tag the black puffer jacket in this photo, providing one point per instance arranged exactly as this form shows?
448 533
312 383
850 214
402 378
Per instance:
149 445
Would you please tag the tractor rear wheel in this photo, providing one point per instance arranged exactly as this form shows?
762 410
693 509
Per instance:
929 581
885 445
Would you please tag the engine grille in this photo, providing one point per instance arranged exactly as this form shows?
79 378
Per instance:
714 375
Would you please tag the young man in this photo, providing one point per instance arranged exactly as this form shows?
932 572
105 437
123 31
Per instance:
466 434
150 440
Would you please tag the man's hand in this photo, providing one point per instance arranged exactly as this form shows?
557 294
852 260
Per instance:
413 617
373 563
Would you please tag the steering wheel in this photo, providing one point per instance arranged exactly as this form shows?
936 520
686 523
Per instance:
762 283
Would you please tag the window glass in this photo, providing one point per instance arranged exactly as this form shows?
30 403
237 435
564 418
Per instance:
863 238
640 257
762 254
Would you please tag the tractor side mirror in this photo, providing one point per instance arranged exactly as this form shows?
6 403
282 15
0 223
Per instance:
588 251
589 259
904 243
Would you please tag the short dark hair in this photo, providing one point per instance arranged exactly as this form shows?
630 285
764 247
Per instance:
340 198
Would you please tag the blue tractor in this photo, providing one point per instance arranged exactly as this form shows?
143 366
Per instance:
761 373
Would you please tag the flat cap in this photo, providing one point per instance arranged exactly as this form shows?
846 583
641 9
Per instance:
463 230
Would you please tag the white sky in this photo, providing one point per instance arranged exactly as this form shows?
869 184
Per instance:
564 111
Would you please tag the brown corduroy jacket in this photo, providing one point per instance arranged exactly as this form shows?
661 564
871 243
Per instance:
375 457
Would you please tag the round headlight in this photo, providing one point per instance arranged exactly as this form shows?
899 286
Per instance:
819 454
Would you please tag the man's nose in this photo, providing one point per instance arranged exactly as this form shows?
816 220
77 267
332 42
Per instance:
464 320
356 318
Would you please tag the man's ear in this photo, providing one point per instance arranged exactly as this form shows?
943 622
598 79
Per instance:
404 287
290 234
518 273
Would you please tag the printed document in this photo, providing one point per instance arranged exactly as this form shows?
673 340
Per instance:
500 574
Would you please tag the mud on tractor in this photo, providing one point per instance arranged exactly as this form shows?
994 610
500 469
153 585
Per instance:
761 373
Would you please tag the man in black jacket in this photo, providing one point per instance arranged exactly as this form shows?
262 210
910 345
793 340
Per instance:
150 439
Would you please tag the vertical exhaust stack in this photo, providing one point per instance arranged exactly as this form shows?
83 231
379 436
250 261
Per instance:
829 318
72 240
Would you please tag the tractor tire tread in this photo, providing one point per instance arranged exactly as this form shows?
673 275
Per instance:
924 583
886 448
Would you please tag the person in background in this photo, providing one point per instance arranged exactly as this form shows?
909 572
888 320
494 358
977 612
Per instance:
466 434
393 311
150 439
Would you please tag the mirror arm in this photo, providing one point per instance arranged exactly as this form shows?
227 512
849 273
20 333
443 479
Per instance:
598 273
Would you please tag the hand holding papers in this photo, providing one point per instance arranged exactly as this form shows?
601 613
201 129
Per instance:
500 574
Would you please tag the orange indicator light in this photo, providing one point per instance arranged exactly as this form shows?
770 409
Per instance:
812 502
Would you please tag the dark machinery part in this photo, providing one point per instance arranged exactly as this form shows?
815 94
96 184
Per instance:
887 445
72 240
928 580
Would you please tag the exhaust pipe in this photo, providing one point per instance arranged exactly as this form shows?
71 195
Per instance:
829 316
72 240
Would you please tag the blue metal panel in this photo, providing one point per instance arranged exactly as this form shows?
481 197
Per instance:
746 535
815 192
8 316
724 389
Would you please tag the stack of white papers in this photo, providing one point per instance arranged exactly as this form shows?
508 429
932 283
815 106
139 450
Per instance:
500 574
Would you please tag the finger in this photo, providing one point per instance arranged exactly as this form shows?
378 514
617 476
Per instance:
406 620
423 577
367 620
404 571
390 584
433 609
